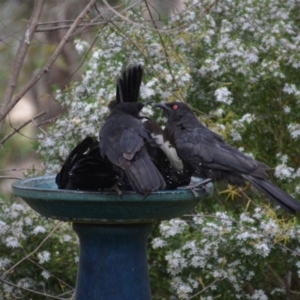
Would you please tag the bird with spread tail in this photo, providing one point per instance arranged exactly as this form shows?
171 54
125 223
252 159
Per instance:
212 158
123 140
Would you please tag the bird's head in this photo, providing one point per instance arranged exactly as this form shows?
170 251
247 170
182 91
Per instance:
174 110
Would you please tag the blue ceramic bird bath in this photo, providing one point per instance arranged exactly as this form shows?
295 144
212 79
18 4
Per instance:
112 231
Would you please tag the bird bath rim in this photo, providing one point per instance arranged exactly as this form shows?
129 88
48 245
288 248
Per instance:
41 194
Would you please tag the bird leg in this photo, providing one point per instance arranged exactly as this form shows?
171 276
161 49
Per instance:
196 195
115 188
193 186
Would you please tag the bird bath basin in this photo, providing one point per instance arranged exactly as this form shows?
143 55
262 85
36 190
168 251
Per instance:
112 230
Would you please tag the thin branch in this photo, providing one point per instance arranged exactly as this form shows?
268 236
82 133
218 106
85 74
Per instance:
30 254
49 63
32 291
55 22
277 277
9 35
138 24
18 62
20 127
205 288
14 169
90 24
10 177
165 49
52 275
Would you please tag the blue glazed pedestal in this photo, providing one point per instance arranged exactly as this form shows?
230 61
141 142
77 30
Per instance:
113 262
112 231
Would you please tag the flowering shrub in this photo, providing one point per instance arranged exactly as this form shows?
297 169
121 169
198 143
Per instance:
231 255
47 263
236 63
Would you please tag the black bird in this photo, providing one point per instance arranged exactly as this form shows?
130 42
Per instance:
210 157
122 142
85 169
128 87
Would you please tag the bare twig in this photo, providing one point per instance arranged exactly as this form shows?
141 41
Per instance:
10 177
205 288
14 170
165 49
10 34
49 63
138 24
90 24
20 127
32 291
55 22
277 277
18 62
52 275
30 254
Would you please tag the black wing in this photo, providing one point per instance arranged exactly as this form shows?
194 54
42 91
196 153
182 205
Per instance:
201 147
122 141
62 178
85 169
121 137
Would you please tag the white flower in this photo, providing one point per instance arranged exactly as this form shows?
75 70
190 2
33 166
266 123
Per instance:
80 46
66 238
28 221
46 274
248 118
146 92
290 89
3 228
17 207
219 112
12 242
245 218
191 246
26 283
294 130
4 262
235 135
262 249
259 295
38 229
282 171
43 256
297 189
176 262
223 95
251 58
172 227
286 109
182 288
158 243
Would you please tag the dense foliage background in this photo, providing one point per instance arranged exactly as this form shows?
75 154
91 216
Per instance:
236 63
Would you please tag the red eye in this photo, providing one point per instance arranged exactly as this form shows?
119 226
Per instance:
174 106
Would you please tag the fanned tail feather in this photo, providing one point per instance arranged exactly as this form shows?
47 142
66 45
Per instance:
128 86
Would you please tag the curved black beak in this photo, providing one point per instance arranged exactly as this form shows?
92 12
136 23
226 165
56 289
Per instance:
148 102
162 106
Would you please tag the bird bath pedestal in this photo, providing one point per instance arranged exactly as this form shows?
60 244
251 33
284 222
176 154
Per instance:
112 231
